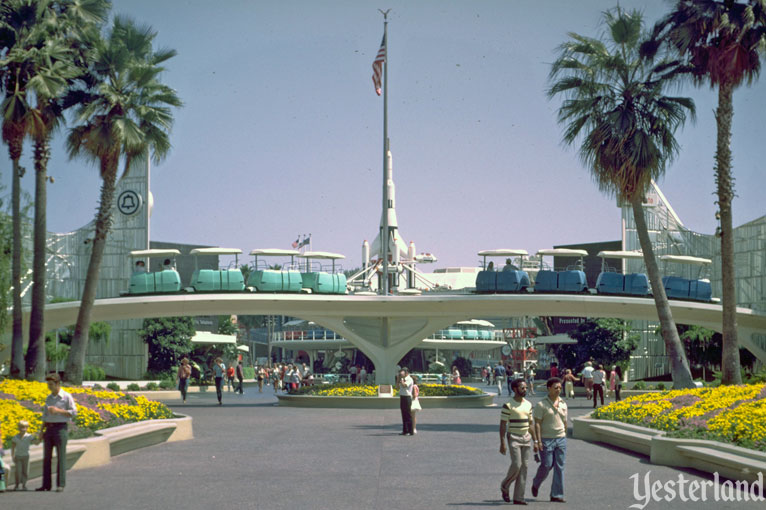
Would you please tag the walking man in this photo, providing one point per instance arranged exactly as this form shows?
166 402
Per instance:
240 378
405 383
550 416
517 425
59 408
499 376
599 376
587 379
219 370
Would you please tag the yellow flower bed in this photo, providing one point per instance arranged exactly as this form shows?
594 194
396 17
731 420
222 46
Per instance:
734 414
96 409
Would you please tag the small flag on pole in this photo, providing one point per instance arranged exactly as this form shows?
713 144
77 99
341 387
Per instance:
306 240
377 66
295 243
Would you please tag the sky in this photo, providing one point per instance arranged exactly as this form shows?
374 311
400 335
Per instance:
281 130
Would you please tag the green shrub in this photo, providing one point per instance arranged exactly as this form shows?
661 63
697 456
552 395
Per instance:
661 386
93 373
134 387
113 386
98 387
640 385
152 386
167 384
249 372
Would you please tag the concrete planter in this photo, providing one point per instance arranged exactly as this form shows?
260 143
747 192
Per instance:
383 402
727 460
98 451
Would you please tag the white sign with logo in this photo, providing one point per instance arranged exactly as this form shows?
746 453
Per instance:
129 202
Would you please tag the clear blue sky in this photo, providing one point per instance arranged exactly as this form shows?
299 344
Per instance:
281 132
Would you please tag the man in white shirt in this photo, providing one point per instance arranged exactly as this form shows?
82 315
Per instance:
405 384
550 416
587 379
59 408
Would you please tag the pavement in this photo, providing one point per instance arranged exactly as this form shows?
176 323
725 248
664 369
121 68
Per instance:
252 454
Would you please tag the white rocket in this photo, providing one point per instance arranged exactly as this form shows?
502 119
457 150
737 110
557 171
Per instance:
397 249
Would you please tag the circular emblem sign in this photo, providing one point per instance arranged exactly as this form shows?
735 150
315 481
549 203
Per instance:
506 350
129 202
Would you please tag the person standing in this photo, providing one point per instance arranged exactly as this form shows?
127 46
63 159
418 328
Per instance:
182 377
59 408
599 377
529 376
569 380
499 376
261 376
230 378
219 369
509 378
587 379
405 384
617 371
456 376
550 416
363 375
352 373
20 454
415 407
240 378
517 425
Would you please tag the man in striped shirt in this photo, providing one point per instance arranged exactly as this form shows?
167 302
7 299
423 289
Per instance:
517 425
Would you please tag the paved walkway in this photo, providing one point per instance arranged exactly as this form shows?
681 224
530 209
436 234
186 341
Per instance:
250 453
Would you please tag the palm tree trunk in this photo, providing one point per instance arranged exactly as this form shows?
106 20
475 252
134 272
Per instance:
36 350
730 364
79 347
17 342
679 366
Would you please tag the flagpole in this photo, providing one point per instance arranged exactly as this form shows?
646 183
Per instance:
384 234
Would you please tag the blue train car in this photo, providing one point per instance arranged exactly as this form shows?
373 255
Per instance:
507 280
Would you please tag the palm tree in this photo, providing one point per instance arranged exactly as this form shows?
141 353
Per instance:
123 112
16 20
722 40
614 102
45 52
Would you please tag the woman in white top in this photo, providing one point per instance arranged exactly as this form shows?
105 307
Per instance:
456 376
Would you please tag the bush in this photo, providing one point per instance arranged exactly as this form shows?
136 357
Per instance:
249 372
661 386
134 387
98 387
167 384
463 366
93 373
152 386
159 375
113 386
640 385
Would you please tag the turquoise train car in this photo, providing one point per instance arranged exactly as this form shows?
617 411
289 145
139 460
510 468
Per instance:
509 279
217 280
277 278
142 281
692 289
570 280
615 283
320 281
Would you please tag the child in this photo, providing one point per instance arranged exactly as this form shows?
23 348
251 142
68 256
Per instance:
20 453
415 407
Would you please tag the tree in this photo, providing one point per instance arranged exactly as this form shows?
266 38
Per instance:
122 113
169 340
614 101
42 39
722 40
607 341
16 20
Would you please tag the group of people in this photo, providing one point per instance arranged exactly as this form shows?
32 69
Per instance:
504 374
543 430
57 412
596 382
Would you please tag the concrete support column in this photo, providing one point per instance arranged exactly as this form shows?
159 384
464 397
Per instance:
385 339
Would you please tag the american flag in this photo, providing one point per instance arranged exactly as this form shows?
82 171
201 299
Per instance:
296 242
377 66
